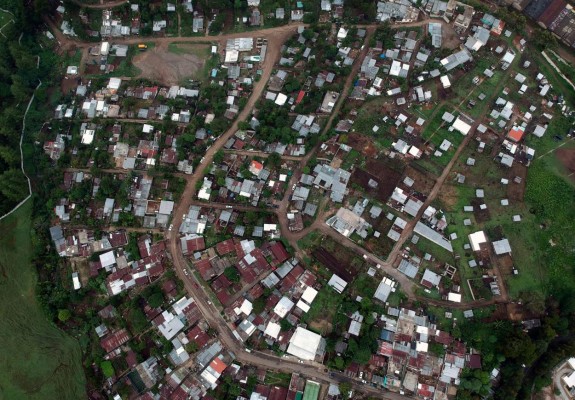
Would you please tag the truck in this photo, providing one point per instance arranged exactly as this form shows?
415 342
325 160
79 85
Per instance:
142 46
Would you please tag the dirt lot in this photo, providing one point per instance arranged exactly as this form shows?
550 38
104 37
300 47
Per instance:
162 65
386 178
333 264
516 191
423 182
363 144
567 159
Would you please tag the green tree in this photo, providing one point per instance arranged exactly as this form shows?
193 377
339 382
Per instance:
107 369
64 315
232 274
344 389
192 347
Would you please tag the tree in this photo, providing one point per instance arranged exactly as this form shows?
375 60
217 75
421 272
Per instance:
64 315
232 274
285 325
192 347
274 160
219 157
156 299
107 369
345 389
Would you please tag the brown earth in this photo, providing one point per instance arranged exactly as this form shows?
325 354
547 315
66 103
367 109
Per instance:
386 178
332 263
362 143
423 182
567 159
448 197
516 191
160 64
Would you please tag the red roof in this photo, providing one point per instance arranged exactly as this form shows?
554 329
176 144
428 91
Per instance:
204 267
199 336
475 361
385 349
300 97
443 338
195 244
218 365
225 247
516 133
115 340
279 252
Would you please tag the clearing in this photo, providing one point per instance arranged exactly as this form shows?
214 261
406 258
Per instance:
170 63
38 361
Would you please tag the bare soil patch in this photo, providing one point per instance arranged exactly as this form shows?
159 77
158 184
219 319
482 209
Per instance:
363 144
385 177
516 191
567 159
161 65
332 263
423 182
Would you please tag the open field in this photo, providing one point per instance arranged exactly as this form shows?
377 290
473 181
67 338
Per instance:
175 62
38 361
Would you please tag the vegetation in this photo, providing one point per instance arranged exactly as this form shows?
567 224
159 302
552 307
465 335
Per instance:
30 343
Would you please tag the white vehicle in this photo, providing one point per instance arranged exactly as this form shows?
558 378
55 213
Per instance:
300 361
229 207
293 187
171 226
361 375
186 272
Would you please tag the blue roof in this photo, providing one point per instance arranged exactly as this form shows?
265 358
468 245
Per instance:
214 72
299 4
386 335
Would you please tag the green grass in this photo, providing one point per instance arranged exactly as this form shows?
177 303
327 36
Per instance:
277 379
203 52
4 18
37 361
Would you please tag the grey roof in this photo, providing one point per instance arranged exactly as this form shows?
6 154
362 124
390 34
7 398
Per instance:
407 268
310 209
258 231
239 230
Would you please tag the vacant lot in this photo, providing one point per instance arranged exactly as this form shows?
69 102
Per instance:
37 361
170 64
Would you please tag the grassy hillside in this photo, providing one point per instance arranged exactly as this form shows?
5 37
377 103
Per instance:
37 361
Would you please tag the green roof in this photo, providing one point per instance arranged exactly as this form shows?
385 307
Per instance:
311 391
298 396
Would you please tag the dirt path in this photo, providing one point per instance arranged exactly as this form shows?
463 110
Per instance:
256 153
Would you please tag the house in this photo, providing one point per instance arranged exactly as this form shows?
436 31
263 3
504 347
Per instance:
430 279
305 344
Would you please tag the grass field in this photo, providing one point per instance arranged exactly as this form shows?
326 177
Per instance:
37 361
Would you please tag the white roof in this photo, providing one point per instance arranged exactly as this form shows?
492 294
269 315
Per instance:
171 325
304 344
146 128
246 307
114 83
431 277
571 362
477 238
302 306
455 297
445 81
107 259
76 281
421 346
281 99
88 136
337 283
273 329
461 126
309 294
283 307
569 380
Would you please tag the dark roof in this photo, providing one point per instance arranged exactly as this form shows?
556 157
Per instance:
536 8
475 361
552 12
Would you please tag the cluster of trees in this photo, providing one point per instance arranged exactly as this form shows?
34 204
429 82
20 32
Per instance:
20 73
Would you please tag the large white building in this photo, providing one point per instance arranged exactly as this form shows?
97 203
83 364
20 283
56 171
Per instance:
305 344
